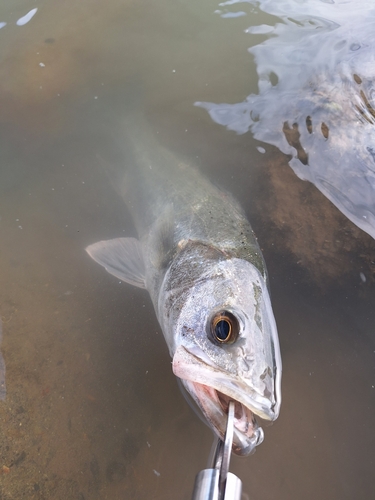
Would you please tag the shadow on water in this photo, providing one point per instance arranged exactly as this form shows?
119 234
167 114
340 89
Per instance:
92 408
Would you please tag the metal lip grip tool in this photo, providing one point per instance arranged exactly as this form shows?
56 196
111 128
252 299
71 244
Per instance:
218 483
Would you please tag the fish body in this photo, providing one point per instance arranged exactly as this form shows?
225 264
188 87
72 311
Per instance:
199 260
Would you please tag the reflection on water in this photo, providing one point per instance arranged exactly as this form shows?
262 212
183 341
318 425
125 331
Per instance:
316 97
92 408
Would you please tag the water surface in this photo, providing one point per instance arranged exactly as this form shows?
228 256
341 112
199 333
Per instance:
316 97
92 408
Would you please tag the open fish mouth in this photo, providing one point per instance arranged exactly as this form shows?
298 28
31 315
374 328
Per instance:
214 405
212 393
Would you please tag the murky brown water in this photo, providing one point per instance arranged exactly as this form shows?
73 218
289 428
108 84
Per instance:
92 409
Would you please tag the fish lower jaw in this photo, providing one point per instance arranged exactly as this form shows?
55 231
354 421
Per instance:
214 405
212 389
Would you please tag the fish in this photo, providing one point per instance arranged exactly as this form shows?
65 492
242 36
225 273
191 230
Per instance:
197 256
316 99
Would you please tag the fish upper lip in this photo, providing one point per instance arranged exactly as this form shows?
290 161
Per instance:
257 404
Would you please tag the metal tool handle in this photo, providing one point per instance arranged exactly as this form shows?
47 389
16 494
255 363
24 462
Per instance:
207 486
218 483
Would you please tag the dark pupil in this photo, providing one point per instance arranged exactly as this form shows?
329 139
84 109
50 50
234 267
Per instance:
222 329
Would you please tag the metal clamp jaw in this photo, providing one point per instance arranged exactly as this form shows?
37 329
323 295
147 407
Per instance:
218 483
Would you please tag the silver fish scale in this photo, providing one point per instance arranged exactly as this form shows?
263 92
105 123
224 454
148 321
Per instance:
180 199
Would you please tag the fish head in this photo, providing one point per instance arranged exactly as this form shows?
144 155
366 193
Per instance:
220 327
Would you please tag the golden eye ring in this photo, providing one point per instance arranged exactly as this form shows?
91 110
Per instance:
224 327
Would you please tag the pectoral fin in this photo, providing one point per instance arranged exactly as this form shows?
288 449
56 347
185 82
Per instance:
121 257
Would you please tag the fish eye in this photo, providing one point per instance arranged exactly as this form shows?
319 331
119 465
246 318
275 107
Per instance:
224 327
